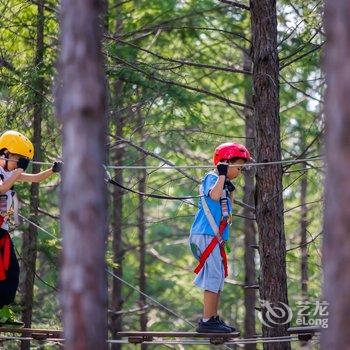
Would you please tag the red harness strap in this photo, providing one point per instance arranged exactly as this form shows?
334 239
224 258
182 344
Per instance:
5 250
208 250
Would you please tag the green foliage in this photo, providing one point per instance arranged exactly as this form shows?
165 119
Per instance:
180 125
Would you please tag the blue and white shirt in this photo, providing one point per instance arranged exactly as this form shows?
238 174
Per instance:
201 225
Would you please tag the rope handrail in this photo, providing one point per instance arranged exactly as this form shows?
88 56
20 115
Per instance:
208 166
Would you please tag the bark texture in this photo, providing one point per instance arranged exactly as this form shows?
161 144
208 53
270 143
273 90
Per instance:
118 249
249 225
29 243
142 231
303 236
269 200
82 108
336 250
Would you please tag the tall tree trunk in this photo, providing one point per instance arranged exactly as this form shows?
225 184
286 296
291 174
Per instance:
82 110
303 235
117 296
105 15
249 226
336 257
142 231
29 243
303 239
269 200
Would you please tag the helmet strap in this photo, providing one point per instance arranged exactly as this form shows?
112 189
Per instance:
5 153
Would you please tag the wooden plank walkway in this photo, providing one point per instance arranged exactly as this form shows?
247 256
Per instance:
304 333
214 338
33 332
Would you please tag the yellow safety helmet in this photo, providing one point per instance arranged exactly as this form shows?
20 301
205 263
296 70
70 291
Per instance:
17 143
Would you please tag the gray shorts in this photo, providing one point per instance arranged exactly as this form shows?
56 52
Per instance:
212 276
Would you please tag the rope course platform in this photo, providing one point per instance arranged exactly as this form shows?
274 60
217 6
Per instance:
188 338
192 338
214 338
304 333
139 337
37 334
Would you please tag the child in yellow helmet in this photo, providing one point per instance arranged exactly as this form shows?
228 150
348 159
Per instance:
16 150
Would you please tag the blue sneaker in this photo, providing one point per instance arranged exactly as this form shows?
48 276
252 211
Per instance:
232 329
213 325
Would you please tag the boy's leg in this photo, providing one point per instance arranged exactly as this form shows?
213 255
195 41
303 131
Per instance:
217 302
210 279
210 322
233 329
211 301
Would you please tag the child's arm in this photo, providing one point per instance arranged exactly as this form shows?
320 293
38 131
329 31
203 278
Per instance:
36 177
7 184
216 191
56 168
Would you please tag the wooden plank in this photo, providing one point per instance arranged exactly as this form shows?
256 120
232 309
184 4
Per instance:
32 331
304 333
254 286
179 334
303 330
214 338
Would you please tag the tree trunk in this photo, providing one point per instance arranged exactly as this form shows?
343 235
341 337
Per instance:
82 110
303 239
249 226
117 296
336 252
303 235
269 200
142 232
29 243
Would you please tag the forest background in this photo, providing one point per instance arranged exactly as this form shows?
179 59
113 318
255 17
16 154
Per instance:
179 84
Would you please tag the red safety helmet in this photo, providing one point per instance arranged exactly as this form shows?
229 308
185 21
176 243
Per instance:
229 150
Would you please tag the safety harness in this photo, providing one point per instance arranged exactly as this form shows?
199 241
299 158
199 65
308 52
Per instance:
5 248
5 240
218 230
5 251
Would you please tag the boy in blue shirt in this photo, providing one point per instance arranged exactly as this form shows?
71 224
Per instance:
210 231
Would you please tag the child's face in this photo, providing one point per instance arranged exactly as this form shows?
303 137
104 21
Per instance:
12 162
234 171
